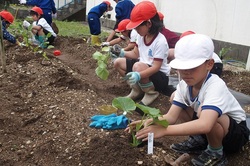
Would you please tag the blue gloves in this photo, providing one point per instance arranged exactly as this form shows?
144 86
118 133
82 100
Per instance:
109 122
133 77
117 50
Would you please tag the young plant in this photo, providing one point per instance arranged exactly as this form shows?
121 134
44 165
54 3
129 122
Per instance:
223 52
26 36
127 105
102 62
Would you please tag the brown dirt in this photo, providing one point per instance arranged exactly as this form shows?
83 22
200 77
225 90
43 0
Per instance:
46 110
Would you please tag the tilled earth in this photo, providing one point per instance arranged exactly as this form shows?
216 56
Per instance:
46 108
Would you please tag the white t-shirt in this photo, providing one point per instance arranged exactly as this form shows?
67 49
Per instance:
43 23
214 95
157 49
132 38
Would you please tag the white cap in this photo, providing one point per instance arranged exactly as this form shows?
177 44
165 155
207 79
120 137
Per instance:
191 51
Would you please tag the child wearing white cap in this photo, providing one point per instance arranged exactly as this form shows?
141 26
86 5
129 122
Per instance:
219 115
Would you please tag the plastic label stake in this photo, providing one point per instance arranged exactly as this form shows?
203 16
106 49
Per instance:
150 143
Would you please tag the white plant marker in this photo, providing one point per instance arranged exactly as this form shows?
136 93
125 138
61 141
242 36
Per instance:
150 143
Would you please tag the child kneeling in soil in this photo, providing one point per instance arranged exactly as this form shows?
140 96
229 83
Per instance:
7 19
145 67
40 28
203 95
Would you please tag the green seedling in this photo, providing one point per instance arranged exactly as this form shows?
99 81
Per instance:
223 52
127 105
26 34
102 62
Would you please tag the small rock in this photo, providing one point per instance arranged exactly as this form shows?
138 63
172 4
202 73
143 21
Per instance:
139 162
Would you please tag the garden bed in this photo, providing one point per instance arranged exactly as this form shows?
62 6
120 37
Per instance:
46 109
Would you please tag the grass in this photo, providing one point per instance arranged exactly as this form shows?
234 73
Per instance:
73 29
66 28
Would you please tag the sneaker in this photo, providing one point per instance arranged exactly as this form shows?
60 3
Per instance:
210 158
195 144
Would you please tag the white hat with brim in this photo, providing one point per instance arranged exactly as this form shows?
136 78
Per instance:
191 51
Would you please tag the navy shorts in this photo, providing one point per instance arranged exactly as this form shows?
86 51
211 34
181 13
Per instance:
237 136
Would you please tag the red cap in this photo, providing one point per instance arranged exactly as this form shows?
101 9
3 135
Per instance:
37 9
143 11
122 25
107 2
161 16
7 16
109 5
186 33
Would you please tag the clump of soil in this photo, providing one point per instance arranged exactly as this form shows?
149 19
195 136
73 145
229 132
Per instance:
46 109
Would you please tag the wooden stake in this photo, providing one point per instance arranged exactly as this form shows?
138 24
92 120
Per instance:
2 52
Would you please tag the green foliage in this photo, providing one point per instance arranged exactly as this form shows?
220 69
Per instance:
154 114
102 62
223 52
127 105
77 29
26 35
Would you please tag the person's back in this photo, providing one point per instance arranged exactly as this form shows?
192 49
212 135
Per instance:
7 19
171 37
94 21
123 9
99 9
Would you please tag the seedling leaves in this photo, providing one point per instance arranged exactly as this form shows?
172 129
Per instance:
105 49
124 103
103 73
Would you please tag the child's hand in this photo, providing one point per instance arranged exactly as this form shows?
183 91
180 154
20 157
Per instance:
131 126
158 131
133 77
117 50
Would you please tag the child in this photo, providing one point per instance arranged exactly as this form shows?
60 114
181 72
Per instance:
48 7
204 96
7 19
218 65
130 35
149 74
40 27
94 20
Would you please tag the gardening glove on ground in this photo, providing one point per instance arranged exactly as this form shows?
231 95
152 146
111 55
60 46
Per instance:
105 44
26 24
117 50
22 1
20 44
133 77
109 122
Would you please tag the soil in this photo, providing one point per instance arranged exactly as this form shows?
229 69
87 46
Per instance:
46 109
